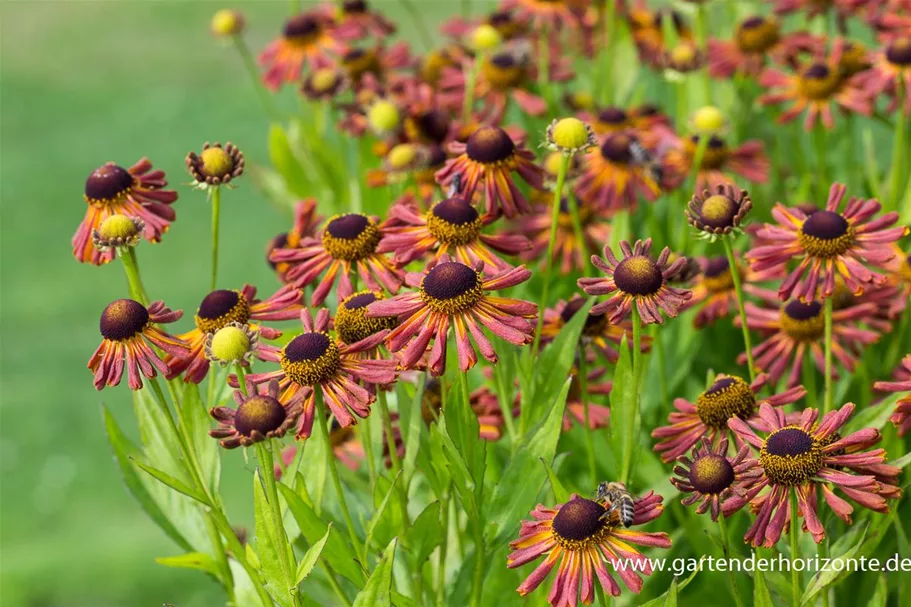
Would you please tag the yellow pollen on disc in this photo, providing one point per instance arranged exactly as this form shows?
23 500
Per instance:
230 344
383 116
215 162
227 22
485 37
401 156
570 134
323 79
117 227
683 53
708 119
717 207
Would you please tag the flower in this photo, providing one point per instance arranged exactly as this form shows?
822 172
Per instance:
727 397
718 161
314 360
570 136
258 417
453 295
756 39
451 227
572 255
598 334
582 538
543 14
222 308
708 120
612 179
711 477
714 290
720 213
415 161
135 192
485 37
796 329
347 243
815 87
117 232
487 160
902 416
308 37
685 57
829 244
648 31
127 330
306 222
358 21
806 456
637 280
351 322
216 165
234 343
374 65
324 83
890 68
227 22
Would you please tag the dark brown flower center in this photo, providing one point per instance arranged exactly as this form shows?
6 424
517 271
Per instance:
899 52
594 323
790 456
219 309
789 442
351 321
638 275
756 35
108 183
361 300
123 319
819 81
302 27
616 148
351 237
450 280
825 225
433 125
711 474
826 234
803 322
456 211
612 116
489 145
260 413
354 7
348 227
728 397
579 520
454 221
716 266
310 358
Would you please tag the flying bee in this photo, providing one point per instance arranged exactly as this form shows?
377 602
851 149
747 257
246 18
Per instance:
455 187
642 157
621 501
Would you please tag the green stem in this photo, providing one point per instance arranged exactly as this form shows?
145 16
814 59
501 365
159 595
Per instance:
830 396
444 545
322 421
722 528
738 288
367 438
606 86
823 549
241 378
266 468
393 456
898 169
554 219
626 468
250 65
216 218
544 65
134 282
579 235
478 527
471 75
795 530
809 381
589 438
819 141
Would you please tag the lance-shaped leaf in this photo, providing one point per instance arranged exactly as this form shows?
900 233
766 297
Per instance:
308 562
377 591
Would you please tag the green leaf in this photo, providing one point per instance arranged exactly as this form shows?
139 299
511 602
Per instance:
191 560
880 596
244 591
270 543
661 600
318 475
560 492
761 595
376 592
400 600
124 452
554 365
424 534
308 562
338 553
381 509
845 548
523 477
462 478
412 424
173 483
195 418
285 162
671 599
624 412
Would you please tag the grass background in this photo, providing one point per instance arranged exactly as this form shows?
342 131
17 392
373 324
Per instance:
83 83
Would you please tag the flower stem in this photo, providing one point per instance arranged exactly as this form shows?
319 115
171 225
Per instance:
738 288
478 525
795 529
626 465
216 217
589 439
393 455
578 234
131 266
819 140
554 219
250 65
470 71
604 86
322 420
544 65
367 439
898 170
830 396
266 470
241 378
722 529
444 544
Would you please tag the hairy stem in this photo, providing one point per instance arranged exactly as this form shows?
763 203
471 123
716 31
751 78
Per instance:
738 288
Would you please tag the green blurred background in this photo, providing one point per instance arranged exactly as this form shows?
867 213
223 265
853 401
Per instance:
84 82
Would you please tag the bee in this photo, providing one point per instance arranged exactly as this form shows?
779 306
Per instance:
621 501
455 187
642 157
